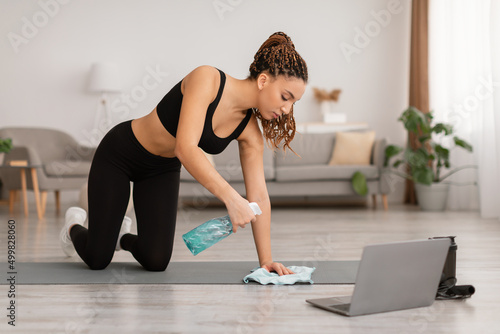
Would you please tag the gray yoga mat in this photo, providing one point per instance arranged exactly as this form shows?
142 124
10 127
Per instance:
327 272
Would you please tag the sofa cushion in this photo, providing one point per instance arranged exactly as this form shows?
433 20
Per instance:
313 148
353 148
67 168
323 172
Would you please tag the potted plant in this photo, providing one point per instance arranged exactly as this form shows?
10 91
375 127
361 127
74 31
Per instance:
429 164
5 147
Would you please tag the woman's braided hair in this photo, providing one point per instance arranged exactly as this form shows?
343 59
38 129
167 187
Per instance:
277 56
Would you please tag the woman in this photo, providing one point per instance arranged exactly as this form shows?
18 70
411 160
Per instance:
204 111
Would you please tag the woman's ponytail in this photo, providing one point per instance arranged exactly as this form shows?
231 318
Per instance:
277 55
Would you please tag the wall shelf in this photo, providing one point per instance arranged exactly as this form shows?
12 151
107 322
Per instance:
320 127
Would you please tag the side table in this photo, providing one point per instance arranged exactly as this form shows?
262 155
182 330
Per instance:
34 178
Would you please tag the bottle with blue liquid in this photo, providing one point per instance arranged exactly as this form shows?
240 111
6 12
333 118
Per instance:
212 231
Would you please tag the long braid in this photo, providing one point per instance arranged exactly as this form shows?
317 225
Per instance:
278 56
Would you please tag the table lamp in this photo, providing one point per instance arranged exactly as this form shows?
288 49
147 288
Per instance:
104 78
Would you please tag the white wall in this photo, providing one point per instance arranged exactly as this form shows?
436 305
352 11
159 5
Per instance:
48 47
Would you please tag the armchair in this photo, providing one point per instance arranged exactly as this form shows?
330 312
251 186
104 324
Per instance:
62 163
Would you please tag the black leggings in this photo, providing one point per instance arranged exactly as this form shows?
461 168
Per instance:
119 159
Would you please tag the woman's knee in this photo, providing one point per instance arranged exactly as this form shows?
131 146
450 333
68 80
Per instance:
97 262
156 264
97 266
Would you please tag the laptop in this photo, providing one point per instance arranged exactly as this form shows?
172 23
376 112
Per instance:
393 276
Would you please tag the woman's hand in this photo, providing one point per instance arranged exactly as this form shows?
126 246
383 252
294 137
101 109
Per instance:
240 213
277 267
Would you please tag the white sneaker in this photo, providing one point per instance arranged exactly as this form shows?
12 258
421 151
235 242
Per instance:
126 225
74 215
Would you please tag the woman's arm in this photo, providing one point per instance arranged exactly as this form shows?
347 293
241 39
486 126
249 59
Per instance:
251 147
200 88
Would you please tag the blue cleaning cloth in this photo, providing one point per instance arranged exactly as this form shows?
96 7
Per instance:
262 276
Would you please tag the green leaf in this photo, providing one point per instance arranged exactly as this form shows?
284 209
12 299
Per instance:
442 152
441 127
5 145
462 143
412 124
423 175
413 119
397 163
424 120
430 116
391 151
424 138
359 185
417 158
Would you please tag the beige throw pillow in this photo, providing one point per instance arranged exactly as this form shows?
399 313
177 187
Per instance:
352 148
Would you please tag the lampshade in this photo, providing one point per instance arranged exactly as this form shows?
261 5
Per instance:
105 77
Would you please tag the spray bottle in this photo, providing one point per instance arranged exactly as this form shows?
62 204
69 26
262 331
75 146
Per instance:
212 231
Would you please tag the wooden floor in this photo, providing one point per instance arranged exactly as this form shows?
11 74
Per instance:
301 234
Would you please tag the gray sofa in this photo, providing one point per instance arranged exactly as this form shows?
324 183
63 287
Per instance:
290 176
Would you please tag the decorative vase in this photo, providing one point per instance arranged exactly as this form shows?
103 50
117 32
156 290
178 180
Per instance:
329 116
335 117
433 197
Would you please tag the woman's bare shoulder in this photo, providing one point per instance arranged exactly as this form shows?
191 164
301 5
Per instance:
203 78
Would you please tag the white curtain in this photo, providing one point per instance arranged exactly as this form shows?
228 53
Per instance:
464 90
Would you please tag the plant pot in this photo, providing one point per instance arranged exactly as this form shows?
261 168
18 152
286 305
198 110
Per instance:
433 197
2 157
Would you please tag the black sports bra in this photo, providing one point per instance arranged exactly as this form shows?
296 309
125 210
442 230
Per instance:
169 109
